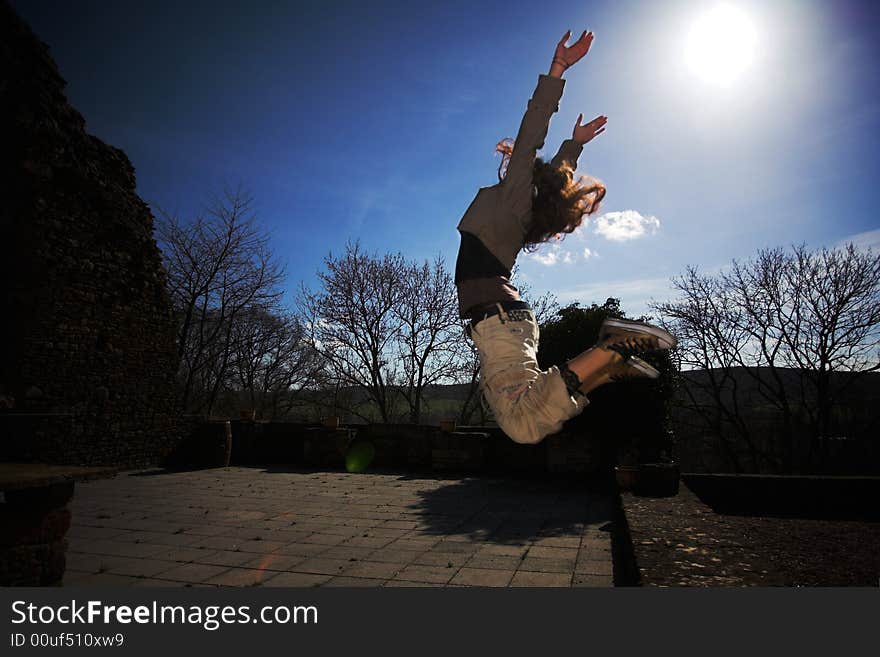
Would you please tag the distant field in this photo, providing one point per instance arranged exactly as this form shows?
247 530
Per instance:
440 403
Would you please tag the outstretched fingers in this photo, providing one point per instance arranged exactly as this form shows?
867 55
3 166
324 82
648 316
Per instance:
598 122
585 133
569 55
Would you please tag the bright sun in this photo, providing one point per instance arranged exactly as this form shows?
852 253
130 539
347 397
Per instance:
720 45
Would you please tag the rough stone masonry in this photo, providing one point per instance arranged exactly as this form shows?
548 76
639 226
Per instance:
88 358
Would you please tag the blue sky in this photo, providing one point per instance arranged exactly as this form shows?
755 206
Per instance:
377 121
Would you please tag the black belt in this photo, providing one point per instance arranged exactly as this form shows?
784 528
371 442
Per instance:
479 313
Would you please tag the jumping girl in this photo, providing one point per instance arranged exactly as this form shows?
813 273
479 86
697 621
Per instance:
536 201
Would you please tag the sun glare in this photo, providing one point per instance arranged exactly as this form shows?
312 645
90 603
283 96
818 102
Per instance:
721 45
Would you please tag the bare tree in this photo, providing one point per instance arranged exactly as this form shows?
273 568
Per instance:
272 361
430 332
801 325
355 325
218 266
708 326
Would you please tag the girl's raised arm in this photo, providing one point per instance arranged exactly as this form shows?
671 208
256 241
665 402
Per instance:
542 105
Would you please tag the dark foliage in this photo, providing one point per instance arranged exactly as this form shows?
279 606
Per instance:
631 420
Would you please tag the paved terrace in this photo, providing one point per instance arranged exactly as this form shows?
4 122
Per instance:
290 527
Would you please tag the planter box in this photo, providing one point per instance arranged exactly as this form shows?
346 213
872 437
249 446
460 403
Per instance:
658 480
649 479
627 476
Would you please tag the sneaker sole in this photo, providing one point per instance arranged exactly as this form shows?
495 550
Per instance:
644 368
665 338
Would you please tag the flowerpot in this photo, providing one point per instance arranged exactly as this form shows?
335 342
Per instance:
248 414
331 422
627 476
658 480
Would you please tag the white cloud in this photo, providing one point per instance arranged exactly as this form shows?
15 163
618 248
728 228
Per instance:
548 259
553 256
868 240
625 225
589 253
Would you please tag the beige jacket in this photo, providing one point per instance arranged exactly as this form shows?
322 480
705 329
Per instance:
499 215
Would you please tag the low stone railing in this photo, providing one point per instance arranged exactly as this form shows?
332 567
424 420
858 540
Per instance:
410 447
34 519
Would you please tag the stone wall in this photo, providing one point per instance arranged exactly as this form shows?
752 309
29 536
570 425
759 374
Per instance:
88 354
414 448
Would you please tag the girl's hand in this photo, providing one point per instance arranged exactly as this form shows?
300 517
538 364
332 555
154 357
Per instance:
568 56
585 133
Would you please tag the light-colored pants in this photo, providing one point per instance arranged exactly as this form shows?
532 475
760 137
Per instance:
528 403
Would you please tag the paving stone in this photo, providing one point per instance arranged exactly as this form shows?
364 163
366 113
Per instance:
302 549
564 554
379 532
430 574
243 577
193 572
433 558
372 569
503 550
117 548
228 543
343 531
355 582
418 545
368 541
140 567
85 532
345 525
594 567
456 546
158 538
482 577
582 580
570 542
547 565
147 582
527 578
319 566
261 547
275 561
184 554
348 552
494 561
99 579
395 556
324 539
224 558
399 583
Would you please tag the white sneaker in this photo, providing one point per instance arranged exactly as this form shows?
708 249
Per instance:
633 368
628 337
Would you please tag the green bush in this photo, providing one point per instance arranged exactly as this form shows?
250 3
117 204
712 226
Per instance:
624 417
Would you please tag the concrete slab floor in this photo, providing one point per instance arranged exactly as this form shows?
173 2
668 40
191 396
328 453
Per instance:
254 526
